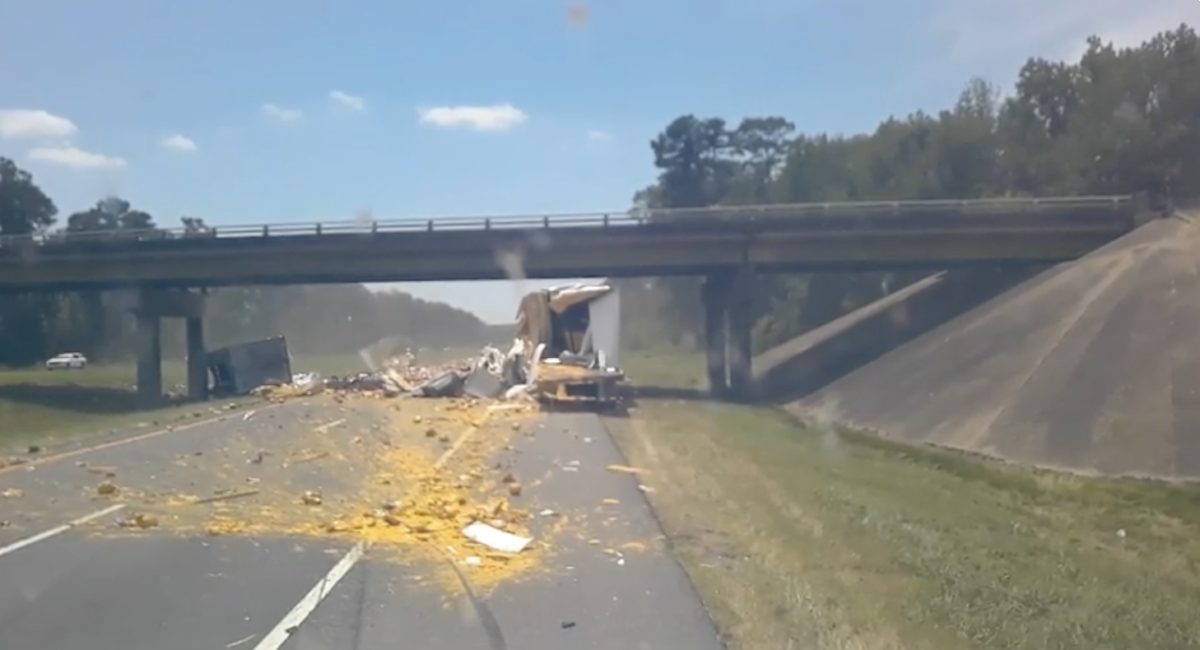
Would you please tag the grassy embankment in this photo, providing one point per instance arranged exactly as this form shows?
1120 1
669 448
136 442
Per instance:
802 538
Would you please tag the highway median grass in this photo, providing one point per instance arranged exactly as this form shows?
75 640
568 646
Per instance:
815 538
43 407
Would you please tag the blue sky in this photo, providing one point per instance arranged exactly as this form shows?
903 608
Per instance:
271 111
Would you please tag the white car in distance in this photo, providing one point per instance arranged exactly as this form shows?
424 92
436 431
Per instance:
67 361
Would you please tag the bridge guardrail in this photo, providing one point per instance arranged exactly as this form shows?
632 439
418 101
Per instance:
622 219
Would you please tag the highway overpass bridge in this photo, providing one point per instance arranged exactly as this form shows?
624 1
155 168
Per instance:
725 244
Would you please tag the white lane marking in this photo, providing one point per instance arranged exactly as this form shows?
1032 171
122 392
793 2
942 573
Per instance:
286 626
46 534
437 464
120 442
303 609
328 425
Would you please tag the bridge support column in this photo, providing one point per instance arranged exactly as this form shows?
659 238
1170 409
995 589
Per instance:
150 306
197 360
149 360
713 294
728 319
739 305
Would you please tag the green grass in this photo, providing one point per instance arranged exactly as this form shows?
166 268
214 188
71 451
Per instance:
816 538
41 407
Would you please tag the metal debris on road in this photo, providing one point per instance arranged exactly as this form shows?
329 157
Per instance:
494 538
138 520
565 350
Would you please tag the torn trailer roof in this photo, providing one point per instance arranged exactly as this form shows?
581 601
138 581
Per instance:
577 319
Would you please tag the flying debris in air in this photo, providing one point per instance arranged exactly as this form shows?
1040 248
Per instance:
577 15
364 218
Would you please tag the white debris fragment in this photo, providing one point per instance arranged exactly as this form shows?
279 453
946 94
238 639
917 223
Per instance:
494 538
305 380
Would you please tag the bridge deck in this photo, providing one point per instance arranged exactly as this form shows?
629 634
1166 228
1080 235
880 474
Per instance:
772 237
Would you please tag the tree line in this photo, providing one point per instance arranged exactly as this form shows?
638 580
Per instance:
318 320
1116 121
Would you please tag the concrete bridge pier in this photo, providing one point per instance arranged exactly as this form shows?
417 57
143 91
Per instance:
739 305
149 359
197 359
727 299
149 307
713 293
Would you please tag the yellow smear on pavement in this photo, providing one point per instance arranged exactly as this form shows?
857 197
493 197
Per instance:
407 485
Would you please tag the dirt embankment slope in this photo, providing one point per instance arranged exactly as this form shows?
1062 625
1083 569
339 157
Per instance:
1090 366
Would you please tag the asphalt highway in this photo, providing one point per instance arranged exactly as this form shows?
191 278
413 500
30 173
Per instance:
610 582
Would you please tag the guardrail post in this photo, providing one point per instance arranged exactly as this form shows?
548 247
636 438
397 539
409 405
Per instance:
605 220
487 223
430 225
545 222
318 229
266 231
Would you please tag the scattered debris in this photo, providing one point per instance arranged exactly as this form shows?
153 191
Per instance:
139 520
106 488
228 496
311 498
565 349
311 457
246 639
33 449
494 538
623 469
12 493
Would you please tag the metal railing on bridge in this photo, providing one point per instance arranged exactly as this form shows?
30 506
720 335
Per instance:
615 219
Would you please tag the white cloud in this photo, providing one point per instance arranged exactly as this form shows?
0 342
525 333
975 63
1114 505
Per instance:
497 117
178 142
34 124
1008 31
352 102
68 156
280 113
598 136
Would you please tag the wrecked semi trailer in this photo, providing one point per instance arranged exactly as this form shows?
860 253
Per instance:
240 369
572 337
